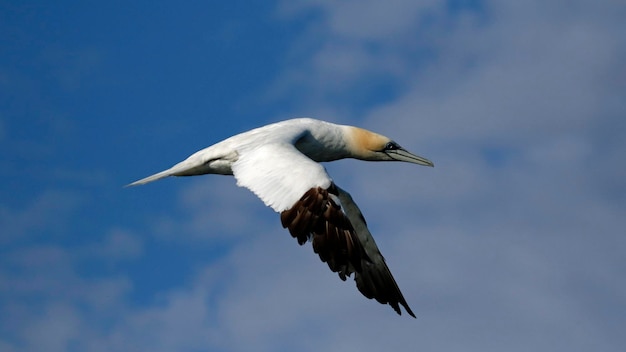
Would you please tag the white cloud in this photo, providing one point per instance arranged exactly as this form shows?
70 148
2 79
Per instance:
365 20
55 330
353 48
46 303
49 211
202 204
117 244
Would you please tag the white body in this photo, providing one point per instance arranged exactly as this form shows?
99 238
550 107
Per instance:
278 162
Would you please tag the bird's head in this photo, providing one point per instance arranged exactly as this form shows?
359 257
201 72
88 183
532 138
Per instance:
370 146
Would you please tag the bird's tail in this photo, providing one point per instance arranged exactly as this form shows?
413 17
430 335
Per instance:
157 176
184 168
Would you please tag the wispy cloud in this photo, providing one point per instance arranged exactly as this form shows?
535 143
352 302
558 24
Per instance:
117 244
48 213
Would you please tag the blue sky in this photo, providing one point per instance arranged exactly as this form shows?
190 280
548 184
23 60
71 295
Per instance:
513 242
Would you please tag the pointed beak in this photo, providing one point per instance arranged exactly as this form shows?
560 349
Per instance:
406 156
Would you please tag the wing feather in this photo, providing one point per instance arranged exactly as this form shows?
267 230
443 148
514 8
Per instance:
279 174
318 216
375 279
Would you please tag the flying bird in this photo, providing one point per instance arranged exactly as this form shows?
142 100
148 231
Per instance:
280 164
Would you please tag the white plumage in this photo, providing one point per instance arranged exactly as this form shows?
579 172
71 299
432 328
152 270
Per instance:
280 164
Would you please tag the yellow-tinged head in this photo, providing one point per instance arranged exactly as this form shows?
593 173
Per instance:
370 146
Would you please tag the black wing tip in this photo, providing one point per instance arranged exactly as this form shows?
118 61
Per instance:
403 302
409 311
377 282
396 308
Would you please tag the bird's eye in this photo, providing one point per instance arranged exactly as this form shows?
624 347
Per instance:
392 146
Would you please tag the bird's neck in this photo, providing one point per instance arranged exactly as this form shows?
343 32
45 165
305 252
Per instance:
324 144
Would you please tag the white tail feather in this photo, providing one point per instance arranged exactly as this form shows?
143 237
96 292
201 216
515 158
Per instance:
177 170
157 176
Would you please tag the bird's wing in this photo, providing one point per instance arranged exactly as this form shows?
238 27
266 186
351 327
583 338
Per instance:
279 174
313 207
301 190
375 279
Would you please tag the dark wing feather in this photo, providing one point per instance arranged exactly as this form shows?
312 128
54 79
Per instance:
375 279
341 238
318 217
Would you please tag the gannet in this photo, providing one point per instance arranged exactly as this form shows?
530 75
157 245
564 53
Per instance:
280 164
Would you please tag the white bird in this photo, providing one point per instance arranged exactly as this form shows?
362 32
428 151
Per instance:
280 164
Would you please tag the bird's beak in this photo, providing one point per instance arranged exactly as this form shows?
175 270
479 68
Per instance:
404 155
